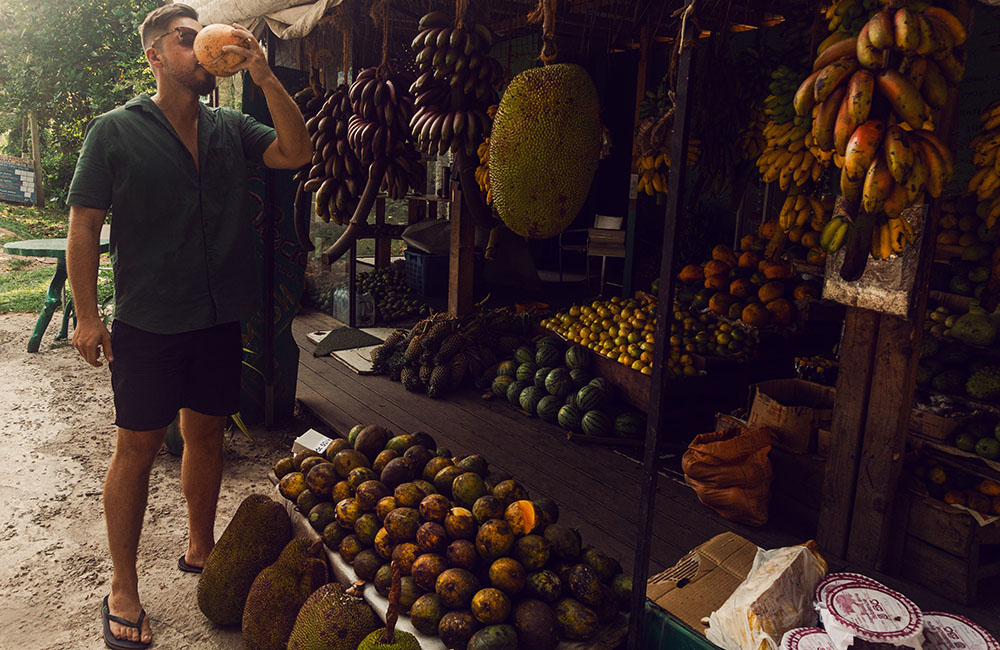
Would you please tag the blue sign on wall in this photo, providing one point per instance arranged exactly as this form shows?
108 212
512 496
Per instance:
17 180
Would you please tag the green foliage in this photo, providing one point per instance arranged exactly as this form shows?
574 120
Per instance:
68 61
32 223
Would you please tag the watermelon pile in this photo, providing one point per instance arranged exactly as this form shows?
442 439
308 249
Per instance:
554 382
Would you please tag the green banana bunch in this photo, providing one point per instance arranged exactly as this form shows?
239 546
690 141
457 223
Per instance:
834 234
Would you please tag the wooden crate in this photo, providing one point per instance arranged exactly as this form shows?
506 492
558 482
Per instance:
947 550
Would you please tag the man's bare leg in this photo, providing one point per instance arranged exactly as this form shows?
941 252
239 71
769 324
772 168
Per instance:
125 491
201 477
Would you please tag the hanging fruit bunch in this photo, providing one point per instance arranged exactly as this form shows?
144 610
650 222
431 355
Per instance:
985 183
802 210
653 133
873 97
483 153
849 16
457 83
752 140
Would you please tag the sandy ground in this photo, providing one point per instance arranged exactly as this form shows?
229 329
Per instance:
56 439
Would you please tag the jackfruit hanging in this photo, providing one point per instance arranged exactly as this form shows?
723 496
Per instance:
544 149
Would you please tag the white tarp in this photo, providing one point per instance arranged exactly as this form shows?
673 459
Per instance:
288 19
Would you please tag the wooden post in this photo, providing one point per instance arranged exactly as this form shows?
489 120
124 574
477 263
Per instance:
461 258
382 244
645 38
659 397
36 159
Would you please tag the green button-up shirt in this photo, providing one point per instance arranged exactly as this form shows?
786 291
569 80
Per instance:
181 235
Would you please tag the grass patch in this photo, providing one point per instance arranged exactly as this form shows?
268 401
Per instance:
24 291
33 223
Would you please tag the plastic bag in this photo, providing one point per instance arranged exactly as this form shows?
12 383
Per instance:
730 472
776 597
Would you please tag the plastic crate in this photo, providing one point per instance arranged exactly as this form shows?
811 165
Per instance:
426 274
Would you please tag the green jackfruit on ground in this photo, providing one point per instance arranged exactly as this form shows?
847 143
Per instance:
278 593
251 542
401 641
544 149
332 619
984 384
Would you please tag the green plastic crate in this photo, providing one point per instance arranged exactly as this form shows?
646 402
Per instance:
663 631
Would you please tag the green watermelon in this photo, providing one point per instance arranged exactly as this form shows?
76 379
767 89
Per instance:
580 376
501 384
526 371
596 423
525 354
530 397
540 376
571 399
577 357
558 383
549 340
630 424
569 417
514 391
589 397
548 408
507 368
547 355
604 385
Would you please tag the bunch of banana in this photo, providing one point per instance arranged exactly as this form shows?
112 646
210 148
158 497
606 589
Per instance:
378 131
849 16
653 170
656 102
800 210
778 104
458 56
985 183
458 80
752 140
891 235
483 153
834 234
335 175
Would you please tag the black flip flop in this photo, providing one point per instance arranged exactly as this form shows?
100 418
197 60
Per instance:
187 568
121 644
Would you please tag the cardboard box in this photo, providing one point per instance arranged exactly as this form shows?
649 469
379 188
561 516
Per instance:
936 427
794 409
703 579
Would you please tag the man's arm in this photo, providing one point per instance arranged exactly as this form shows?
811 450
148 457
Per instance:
292 147
82 256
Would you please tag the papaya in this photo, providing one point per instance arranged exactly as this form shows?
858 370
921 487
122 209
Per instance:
720 303
748 260
716 282
771 291
795 235
805 291
810 239
777 271
725 254
716 267
691 273
747 242
756 315
741 288
782 311
816 256
767 228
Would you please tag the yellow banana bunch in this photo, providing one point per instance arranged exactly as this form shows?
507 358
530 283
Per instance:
653 169
891 235
790 155
483 170
985 183
800 210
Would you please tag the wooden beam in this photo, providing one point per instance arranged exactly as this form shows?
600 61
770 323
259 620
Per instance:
630 218
460 266
660 397
857 360
36 159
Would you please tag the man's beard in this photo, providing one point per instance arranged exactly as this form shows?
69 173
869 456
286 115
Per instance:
198 80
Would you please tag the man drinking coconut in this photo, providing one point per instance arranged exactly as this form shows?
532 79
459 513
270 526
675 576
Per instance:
173 171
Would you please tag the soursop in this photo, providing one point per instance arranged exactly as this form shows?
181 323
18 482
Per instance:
949 381
984 384
974 328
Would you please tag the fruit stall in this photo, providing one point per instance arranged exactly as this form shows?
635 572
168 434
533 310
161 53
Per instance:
805 343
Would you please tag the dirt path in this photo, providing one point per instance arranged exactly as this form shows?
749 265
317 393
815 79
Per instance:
56 438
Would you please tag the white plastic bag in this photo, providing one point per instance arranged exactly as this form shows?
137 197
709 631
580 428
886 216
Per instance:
776 596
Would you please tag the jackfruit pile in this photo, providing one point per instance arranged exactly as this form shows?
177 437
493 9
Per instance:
332 619
483 565
544 149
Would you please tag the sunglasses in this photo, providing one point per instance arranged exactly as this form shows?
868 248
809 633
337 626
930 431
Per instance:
185 36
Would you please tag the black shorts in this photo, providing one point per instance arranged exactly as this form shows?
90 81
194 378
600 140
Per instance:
156 375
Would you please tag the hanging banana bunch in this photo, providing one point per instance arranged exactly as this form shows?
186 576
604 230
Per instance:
483 153
801 210
985 183
848 16
457 83
886 166
790 156
752 140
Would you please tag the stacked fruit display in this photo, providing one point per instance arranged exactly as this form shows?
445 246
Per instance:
621 330
986 181
478 556
960 365
965 241
558 386
958 487
906 59
750 287
393 298
442 352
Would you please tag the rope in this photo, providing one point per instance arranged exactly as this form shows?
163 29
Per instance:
684 13
380 16
546 13
461 8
